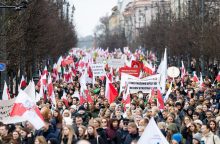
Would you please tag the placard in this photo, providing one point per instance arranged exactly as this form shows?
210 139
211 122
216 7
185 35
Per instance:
116 63
5 109
98 69
131 71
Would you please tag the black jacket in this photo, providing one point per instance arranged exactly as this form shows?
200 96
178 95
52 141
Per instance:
93 140
131 137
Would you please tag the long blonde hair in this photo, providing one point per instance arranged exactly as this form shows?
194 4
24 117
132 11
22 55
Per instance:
70 135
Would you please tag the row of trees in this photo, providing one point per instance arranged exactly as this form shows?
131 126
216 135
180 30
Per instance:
37 34
193 31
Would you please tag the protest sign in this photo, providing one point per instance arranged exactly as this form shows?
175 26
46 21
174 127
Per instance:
98 69
132 71
5 109
116 63
100 60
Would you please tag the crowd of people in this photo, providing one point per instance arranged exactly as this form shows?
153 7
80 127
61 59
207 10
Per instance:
191 115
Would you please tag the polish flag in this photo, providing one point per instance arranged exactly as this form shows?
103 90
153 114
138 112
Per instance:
45 70
23 83
151 95
110 93
126 98
201 83
160 102
64 98
26 108
218 77
183 70
5 94
195 77
51 91
88 96
148 68
55 72
82 100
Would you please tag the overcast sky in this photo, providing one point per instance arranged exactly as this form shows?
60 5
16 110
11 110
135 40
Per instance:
88 12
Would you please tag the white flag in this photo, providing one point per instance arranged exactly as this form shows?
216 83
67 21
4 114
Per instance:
152 134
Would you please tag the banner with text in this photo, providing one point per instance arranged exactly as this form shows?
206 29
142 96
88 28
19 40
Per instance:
5 109
144 85
131 71
116 63
98 69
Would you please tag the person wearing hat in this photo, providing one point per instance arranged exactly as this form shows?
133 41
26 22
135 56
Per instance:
176 138
197 138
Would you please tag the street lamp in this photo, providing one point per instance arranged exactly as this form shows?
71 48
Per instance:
16 7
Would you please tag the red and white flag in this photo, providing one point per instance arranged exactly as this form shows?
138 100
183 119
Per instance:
51 91
201 83
195 77
183 70
5 94
110 93
160 102
218 77
26 108
45 70
64 99
23 83
148 68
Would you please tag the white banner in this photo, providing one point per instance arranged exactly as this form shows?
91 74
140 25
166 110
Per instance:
144 85
5 109
116 63
100 60
98 70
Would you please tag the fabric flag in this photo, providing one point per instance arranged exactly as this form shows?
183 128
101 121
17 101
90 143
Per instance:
195 77
30 90
201 83
5 94
64 99
183 70
45 70
152 134
110 92
168 92
218 77
126 97
160 102
51 91
23 83
148 68
162 70
25 107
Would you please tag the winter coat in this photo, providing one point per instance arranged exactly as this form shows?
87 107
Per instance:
210 138
122 134
131 137
50 133
96 140
102 133
65 140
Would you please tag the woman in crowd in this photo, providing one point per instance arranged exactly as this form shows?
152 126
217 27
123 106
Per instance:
40 140
100 131
82 133
213 126
57 119
68 135
93 136
112 132
16 137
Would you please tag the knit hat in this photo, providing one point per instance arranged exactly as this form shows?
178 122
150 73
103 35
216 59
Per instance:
197 137
177 137
173 127
81 108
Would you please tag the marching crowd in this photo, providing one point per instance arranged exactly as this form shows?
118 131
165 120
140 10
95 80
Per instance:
191 115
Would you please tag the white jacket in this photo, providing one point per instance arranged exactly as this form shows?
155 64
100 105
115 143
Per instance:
210 138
